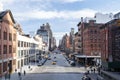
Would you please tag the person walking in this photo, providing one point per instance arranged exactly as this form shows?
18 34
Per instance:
20 77
94 70
29 67
24 72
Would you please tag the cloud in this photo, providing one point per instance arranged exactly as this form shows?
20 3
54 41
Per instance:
61 1
7 1
36 14
59 34
71 1
1 6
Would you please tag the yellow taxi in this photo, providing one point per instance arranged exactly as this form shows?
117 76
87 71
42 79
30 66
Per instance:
53 63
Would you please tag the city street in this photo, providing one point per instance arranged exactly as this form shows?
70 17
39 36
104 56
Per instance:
61 71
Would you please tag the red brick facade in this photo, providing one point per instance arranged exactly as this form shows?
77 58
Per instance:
7 42
91 39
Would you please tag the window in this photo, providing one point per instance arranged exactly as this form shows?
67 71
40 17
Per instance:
0 50
10 37
22 52
5 35
4 66
91 31
5 49
0 33
91 45
27 44
14 37
95 31
21 43
24 44
99 46
95 45
18 43
91 40
95 40
10 48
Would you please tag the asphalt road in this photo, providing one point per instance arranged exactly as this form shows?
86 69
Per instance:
61 71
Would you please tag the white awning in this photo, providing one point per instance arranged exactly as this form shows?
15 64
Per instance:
84 56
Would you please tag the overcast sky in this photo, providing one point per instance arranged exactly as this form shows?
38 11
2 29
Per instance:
62 15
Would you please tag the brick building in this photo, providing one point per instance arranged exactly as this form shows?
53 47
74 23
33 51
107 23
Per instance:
7 42
65 43
89 42
76 43
91 39
110 35
80 37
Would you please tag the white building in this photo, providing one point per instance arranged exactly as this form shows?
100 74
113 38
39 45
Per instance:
100 18
27 49
40 40
117 15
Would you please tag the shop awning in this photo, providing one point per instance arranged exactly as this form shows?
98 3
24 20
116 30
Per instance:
84 56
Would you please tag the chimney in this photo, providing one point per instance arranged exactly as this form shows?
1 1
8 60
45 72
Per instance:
81 19
91 22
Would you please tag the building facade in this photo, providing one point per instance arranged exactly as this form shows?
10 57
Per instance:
27 50
72 41
47 35
44 33
91 39
7 43
89 43
100 18
76 43
110 45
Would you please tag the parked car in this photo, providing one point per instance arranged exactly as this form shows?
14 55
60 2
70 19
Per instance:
72 62
40 64
86 77
49 58
53 63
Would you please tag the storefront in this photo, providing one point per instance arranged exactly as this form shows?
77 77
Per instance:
88 60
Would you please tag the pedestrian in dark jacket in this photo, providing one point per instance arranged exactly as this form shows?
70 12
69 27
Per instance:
94 70
24 72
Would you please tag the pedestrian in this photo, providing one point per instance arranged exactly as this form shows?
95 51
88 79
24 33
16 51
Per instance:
24 72
15 70
91 70
94 70
19 74
5 76
88 72
29 67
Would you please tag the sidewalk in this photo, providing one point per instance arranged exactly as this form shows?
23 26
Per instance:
92 75
110 75
14 75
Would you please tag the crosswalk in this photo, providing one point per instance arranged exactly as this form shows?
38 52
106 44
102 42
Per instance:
53 69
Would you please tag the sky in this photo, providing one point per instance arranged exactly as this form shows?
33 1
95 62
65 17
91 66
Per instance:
62 15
